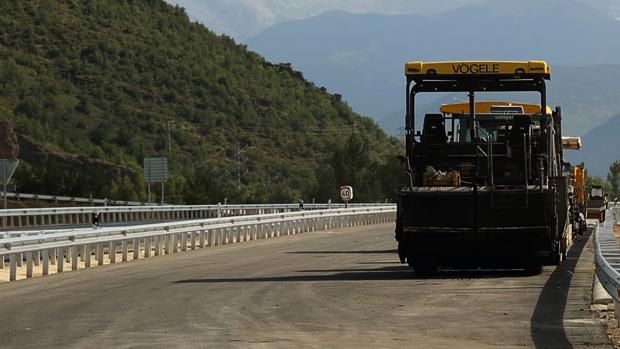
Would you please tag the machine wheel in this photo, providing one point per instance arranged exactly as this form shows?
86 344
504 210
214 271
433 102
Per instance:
533 268
566 243
402 253
556 258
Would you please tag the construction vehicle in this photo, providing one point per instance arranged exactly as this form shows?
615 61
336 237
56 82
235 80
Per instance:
578 199
597 203
485 181
576 188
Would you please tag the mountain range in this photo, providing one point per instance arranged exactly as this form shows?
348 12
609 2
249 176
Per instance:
361 56
243 19
601 146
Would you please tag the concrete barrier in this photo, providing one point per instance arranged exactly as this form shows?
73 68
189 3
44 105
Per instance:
599 295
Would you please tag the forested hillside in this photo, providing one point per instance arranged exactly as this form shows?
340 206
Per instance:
90 88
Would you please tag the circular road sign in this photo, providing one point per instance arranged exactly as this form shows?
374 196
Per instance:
346 193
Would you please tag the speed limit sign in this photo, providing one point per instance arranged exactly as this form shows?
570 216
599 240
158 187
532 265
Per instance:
346 193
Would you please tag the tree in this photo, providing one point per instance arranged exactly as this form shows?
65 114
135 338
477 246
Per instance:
591 181
94 88
613 177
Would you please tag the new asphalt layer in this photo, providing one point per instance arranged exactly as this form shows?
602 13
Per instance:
338 289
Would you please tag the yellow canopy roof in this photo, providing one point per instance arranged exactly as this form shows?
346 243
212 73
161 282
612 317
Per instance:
571 143
477 68
485 107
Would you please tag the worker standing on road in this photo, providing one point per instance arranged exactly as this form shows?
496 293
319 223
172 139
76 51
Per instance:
95 219
301 204
606 202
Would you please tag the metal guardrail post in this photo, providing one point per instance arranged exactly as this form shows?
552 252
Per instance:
87 255
74 258
136 249
13 267
46 262
60 259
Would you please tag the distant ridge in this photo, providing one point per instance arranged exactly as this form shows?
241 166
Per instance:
601 147
361 56
242 19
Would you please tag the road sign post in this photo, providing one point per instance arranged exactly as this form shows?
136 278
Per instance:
7 168
155 171
346 194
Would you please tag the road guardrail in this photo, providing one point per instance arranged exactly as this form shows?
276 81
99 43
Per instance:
71 199
607 254
79 247
32 217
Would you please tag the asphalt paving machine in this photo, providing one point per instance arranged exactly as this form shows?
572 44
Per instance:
485 181
576 188
597 203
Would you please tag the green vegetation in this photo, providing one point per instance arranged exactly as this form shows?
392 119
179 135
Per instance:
594 180
97 86
611 186
613 178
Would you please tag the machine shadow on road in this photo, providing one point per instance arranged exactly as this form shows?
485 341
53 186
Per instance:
547 322
391 251
394 273
442 274
477 274
378 274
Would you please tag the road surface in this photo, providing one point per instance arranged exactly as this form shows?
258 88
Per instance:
339 289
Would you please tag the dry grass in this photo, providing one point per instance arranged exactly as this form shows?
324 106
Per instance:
611 324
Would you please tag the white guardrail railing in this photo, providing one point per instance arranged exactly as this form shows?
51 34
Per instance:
32 217
71 199
33 255
607 254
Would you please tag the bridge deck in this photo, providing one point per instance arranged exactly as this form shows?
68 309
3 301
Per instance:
322 289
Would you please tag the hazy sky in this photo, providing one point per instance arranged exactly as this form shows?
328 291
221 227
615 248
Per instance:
243 19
